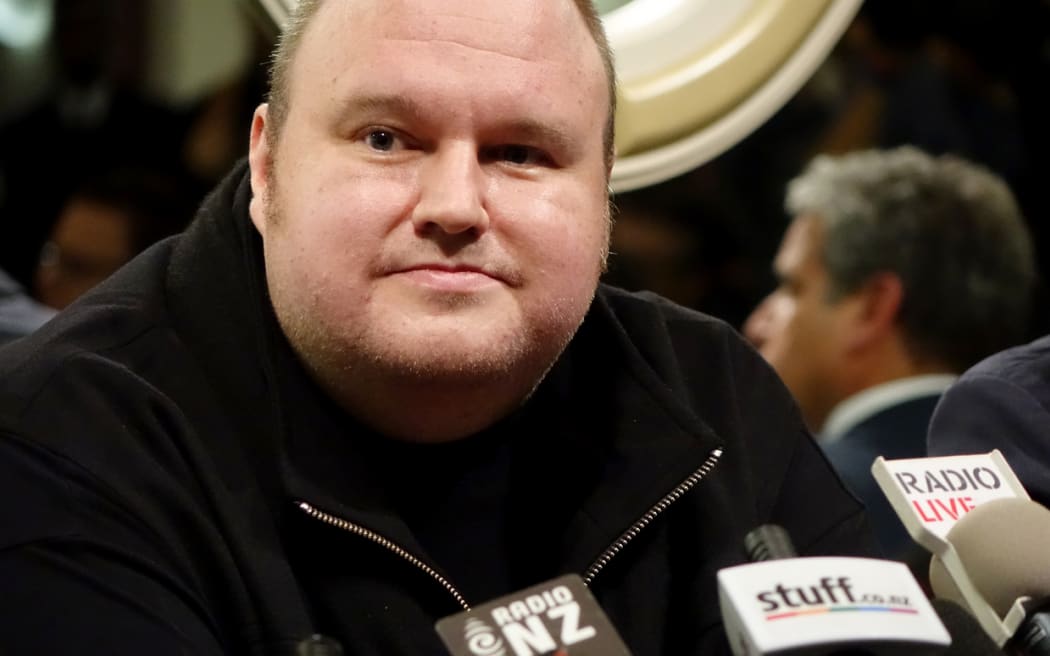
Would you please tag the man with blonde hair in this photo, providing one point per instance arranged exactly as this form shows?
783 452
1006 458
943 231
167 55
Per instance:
377 381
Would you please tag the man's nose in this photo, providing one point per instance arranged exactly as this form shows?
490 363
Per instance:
756 328
451 193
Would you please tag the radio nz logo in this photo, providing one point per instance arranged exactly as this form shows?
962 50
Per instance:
828 595
482 639
542 623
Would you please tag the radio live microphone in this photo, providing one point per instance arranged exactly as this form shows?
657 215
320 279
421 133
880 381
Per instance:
955 505
559 617
783 604
1004 548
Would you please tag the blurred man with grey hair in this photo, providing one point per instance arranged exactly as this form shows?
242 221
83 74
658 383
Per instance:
898 271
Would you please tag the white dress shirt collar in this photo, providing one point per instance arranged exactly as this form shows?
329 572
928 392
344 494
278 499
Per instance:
862 405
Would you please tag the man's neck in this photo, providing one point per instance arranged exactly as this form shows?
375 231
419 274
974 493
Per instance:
435 412
881 364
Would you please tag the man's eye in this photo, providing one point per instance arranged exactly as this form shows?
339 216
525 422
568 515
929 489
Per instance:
518 155
381 140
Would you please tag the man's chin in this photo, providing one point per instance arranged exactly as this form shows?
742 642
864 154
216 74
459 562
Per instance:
453 360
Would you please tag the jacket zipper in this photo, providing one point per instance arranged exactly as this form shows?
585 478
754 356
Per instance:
596 567
625 538
386 544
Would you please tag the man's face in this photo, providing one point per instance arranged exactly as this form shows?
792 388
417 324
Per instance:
435 205
797 329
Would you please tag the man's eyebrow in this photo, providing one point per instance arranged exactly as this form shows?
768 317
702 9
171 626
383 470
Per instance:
537 132
386 104
527 130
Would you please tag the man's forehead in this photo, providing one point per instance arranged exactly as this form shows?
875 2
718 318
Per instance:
801 244
478 23
386 47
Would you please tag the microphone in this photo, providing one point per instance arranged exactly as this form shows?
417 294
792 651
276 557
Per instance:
1003 548
988 540
557 617
318 645
788 605
769 542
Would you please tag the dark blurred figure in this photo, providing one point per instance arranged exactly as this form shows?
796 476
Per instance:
663 241
653 249
91 118
106 221
922 74
1001 403
215 137
899 270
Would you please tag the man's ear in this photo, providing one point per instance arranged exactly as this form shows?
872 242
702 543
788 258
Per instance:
260 161
876 308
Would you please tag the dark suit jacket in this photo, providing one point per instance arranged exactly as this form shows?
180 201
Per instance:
19 314
896 432
1002 403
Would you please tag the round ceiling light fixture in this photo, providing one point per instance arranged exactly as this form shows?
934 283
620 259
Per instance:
697 76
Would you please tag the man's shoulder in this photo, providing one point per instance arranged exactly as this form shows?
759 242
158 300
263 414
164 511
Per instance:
904 419
653 307
679 340
653 322
1026 366
1011 383
894 432
705 366
110 332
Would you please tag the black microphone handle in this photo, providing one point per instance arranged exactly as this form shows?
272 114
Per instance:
1032 637
968 638
769 542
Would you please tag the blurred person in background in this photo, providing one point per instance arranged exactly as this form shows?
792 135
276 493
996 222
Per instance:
91 118
897 272
19 314
110 218
932 75
664 242
1002 403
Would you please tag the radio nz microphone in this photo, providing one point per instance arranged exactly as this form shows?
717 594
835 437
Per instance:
789 605
559 617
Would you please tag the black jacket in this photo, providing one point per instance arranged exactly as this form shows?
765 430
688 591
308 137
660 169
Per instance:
172 483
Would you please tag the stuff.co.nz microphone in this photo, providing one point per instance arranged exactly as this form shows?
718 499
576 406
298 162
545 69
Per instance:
558 617
822 605
951 504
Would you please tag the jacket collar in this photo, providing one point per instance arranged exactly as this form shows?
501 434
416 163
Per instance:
604 393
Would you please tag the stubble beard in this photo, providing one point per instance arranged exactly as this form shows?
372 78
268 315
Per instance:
347 354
